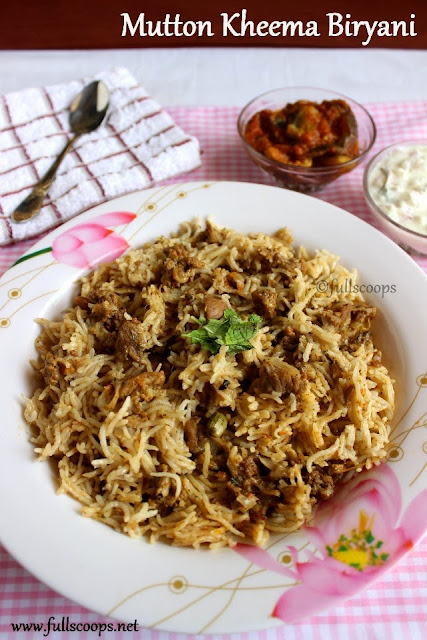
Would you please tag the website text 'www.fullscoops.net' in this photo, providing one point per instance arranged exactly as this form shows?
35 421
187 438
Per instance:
54 625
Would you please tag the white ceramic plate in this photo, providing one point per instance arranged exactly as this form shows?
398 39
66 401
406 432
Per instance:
356 536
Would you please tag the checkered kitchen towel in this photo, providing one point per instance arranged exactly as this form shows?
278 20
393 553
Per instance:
138 145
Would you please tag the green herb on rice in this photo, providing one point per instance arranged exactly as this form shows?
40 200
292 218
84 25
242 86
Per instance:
230 330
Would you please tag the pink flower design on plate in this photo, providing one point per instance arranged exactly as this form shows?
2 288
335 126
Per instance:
86 244
356 536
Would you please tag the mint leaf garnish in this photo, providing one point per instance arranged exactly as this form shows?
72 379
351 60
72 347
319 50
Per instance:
230 330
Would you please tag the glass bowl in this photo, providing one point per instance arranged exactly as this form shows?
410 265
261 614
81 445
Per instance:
305 179
412 241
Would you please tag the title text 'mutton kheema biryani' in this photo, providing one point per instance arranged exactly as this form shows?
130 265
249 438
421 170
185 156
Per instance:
202 389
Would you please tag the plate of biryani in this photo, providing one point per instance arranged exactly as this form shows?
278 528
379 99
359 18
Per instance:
214 401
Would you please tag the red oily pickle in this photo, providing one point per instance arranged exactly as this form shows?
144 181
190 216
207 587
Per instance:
306 134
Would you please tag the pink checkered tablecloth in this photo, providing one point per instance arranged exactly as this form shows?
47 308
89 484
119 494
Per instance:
394 608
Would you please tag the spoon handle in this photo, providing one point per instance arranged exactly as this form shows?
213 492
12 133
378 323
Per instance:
31 205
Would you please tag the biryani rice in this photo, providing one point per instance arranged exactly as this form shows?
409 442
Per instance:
123 450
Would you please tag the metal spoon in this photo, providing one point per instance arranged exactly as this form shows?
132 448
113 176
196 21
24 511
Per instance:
87 111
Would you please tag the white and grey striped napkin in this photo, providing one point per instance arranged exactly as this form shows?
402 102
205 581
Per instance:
138 145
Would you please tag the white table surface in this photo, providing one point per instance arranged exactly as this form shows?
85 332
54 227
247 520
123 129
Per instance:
231 76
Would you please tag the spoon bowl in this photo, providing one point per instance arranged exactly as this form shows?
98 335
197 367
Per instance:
88 109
